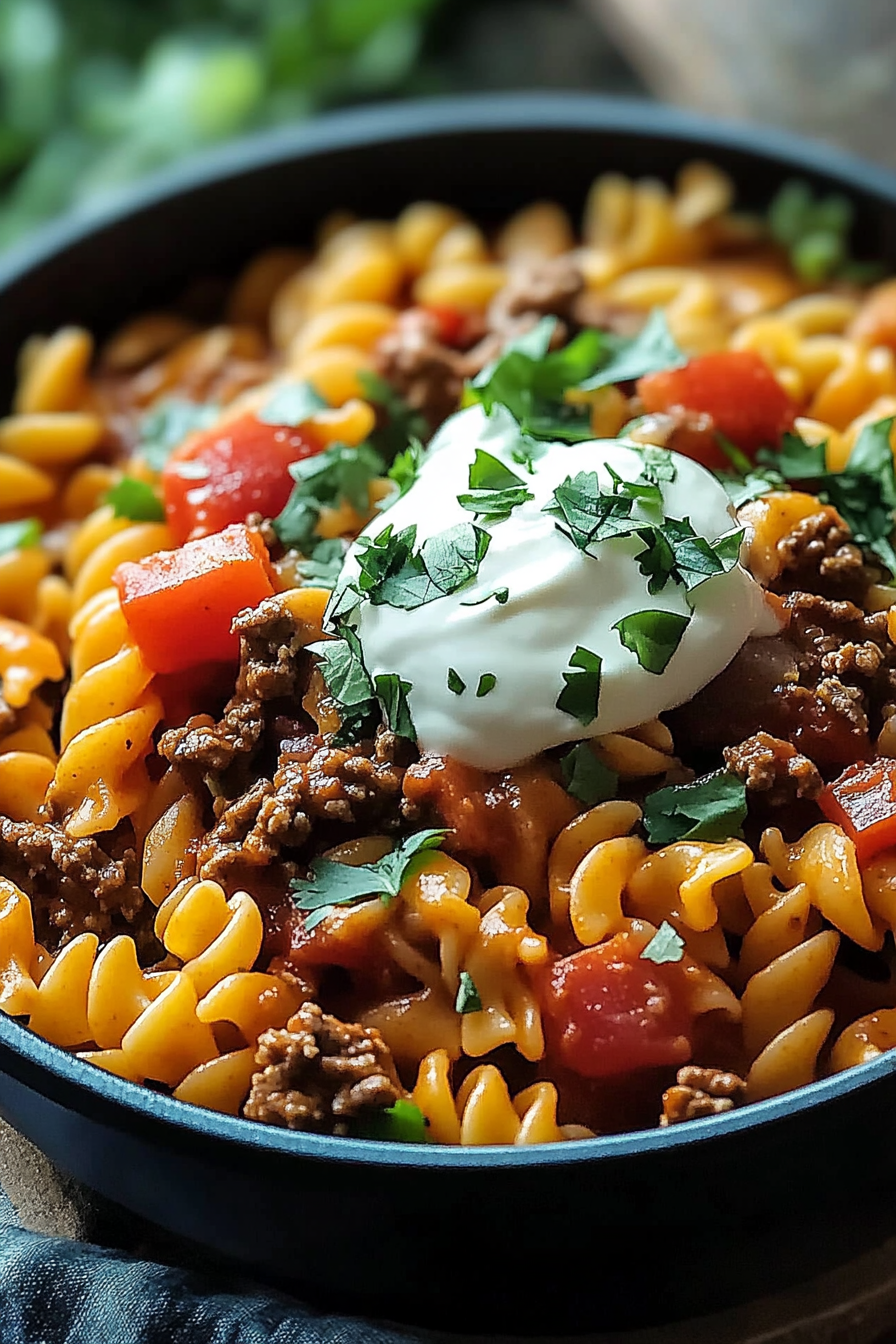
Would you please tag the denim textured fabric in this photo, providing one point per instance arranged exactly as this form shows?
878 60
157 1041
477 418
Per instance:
56 1291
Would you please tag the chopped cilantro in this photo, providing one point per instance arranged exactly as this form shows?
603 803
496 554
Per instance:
659 463
487 682
581 693
167 424
338 473
495 490
324 565
399 424
587 778
18 535
330 883
712 808
402 1123
587 514
653 636
665 945
651 351
394 574
815 230
456 683
864 492
342 668
759 481
406 467
499 594
291 404
135 500
468 1000
392 694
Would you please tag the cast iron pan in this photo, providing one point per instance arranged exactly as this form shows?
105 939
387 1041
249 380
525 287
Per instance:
621 1231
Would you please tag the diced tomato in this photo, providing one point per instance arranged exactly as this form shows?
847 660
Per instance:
737 388
452 322
180 605
863 802
223 474
608 1011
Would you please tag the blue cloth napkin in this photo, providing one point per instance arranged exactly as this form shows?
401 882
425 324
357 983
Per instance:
56 1291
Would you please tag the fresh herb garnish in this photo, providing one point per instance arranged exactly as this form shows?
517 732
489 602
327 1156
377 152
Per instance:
652 636
581 693
401 1123
330 883
659 464
499 594
468 1000
588 514
487 682
456 683
167 424
815 231
665 945
291 404
651 351
530 380
393 573
19 534
392 694
712 808
324 565
495 490
135 500
325 479
399 425
586 777
342 668
406 467
863 493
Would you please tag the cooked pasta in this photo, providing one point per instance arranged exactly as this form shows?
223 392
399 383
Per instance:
560 799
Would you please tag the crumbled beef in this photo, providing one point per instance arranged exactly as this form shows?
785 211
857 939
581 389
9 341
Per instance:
428 374
699 1092
774 768
819 556
270 641
316 784
535 288
75 886
318 1073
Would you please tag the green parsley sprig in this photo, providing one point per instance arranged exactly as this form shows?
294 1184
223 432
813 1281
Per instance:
330 883
587 778
711 808
135 500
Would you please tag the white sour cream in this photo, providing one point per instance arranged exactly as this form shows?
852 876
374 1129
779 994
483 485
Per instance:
559 597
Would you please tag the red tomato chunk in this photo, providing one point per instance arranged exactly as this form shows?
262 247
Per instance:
223 474
609 1012
180 605
737 388
863 802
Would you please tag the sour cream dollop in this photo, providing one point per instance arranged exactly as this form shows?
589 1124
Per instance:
559 598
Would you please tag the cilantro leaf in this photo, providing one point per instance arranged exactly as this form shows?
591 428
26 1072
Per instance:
651 351
19 534
330 883
581 694
500 595
394 574
338 473
324 565
392 694
167 424
586 777
342 668
456 683
665 945
495 490
406 467
402 1123
659 463
487 682
587 514
653 636
399 425
468 1000
711 808
760 481
291 404
135 500
815 230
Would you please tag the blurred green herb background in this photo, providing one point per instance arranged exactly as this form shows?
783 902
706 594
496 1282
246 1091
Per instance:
94 93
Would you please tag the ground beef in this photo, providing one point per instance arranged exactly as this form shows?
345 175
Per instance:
819 556
75 886
429 374
774 768
319 1073
316 784
270 669
699 1092
536 288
